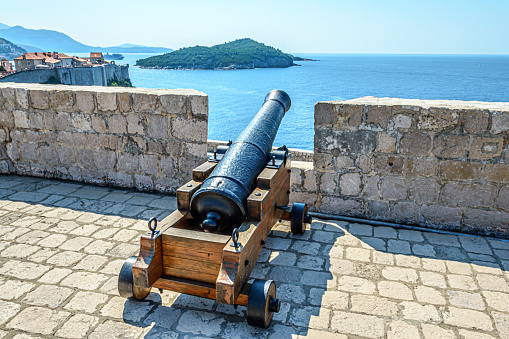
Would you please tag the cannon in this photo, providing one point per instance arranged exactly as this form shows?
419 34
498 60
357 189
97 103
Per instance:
211 243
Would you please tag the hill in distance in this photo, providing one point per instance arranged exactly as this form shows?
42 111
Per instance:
48 40
238 54
10 50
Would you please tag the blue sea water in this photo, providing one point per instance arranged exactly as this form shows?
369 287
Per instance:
236 95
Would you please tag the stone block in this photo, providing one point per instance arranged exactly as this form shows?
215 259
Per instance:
350 184
460 170
143 182
199 105
66 155
105 159
117 124
6 119
98 123
21 97
450 146
35 121
486 148
135 124
128 162
195 150
62 100
421 167
378 209
345 142
329 183
469 194
81 122
143 102
405 212
351 115
124 102
486 221
323 161
335 205
440 216
29 151
365 163
48 119
168 166
503 198
106 101
371 186
39 99
499 122
149 163
310 180
497 173
378 115
394 188
325 114
304 197
415 143
62 122
191 130
386 143
32 136
424 190
85 101
20 119
475 121
49 154
437 119
158 127
38 320
344 162
388 164
468 319
402 121
86 157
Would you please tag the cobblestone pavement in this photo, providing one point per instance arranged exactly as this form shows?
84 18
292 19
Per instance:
62 245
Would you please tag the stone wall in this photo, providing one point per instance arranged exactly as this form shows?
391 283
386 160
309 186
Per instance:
80 76
440 164
148 139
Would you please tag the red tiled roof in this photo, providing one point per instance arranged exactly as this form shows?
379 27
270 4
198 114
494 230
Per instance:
96 55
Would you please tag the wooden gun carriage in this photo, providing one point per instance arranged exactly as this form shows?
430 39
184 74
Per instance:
209 255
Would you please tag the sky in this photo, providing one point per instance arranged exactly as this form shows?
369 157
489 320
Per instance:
320 26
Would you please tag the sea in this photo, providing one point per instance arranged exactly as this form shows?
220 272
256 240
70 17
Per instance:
235 96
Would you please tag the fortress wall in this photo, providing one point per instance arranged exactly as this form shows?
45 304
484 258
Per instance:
148 139
440 164
82 76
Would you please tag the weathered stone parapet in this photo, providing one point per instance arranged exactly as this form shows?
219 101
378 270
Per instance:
144 138
442 164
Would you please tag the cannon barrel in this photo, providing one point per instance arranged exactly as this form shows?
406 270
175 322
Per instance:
220 204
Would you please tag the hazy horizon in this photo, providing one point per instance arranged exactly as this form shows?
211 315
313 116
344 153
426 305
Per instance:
327 26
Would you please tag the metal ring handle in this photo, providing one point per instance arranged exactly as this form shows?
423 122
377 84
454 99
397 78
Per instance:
152 220
235 238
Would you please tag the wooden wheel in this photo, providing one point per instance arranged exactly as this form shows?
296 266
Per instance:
298 218
125 281
262 303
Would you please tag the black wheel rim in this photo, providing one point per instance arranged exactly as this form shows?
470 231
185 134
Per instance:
262 293
125 278
297 216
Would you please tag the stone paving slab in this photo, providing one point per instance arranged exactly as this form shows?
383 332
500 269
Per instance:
62 245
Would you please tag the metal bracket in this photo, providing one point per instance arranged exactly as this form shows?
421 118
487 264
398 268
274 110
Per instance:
278 158
219 153
285 208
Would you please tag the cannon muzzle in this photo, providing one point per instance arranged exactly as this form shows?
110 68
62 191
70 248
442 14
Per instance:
220 204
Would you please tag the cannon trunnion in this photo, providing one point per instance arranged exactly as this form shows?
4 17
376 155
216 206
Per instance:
210 244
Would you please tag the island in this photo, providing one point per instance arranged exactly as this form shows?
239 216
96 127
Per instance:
239 54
